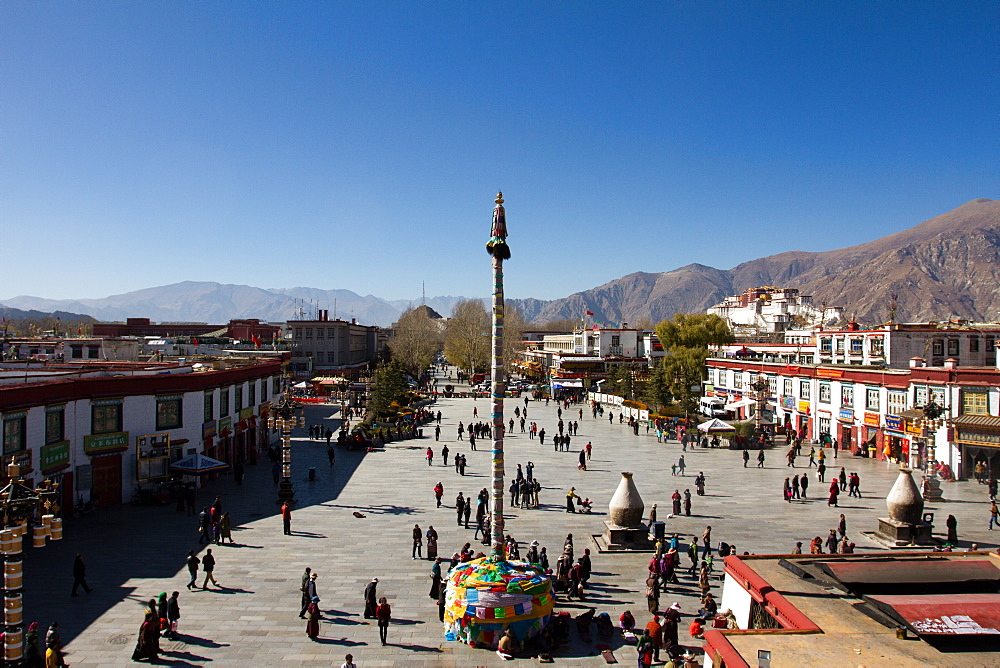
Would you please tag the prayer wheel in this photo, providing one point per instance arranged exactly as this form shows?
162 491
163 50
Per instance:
55 532
13 641
12 575
12 610
14 546
39 536
47 523
7 541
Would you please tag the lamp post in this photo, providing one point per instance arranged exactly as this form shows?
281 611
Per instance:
930 422
18 504
285 419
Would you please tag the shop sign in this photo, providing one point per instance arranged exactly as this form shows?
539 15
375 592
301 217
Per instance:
54 456
912 427
788 403
246 413
830 373
872 420
23 459
225 424
804 407
894 422
208 429
846 414
264 409
709 388
101 443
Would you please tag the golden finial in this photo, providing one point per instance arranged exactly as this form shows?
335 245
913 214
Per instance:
499 199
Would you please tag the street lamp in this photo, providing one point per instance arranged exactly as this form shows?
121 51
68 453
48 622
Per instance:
930 422
285 419
18 504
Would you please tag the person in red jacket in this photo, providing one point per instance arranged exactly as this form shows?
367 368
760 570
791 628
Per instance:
383 613
438 493
286 517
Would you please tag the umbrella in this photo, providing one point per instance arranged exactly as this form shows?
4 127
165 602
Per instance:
715 425
198 464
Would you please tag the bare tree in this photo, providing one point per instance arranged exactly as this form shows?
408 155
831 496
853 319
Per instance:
467 336
415 340
514 327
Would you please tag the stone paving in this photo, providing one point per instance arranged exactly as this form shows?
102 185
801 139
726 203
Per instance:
134 553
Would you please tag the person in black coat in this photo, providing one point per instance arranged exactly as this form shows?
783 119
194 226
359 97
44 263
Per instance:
371 598
80 575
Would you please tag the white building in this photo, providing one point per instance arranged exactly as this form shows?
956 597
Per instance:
768 309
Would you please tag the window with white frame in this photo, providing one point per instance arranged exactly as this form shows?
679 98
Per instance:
787 387
824 393
871 398
847 396
895 402
722 377
804 390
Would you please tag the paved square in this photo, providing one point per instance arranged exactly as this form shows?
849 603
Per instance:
134 553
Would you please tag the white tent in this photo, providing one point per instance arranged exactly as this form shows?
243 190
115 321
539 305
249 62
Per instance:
301 386
714 426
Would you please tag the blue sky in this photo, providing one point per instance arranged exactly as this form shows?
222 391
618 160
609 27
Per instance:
359 145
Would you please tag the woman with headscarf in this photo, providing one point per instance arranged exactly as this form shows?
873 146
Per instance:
148 646
32 650
226 527
161 609
532 555
671 620
313 616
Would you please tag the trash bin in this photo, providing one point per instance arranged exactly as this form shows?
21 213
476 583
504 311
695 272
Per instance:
659 530
312 472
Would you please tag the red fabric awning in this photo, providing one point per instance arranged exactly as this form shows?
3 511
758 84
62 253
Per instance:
951 615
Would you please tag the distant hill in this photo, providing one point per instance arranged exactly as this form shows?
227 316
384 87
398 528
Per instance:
946 266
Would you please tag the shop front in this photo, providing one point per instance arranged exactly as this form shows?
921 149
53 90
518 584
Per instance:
897 444
803 421
872 437
978 436
846 431
53 462
105 452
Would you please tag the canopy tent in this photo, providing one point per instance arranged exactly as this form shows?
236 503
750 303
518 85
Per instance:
198 464
559 384
715 426
740 403
301 386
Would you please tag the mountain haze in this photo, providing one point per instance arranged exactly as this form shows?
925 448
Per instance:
946 266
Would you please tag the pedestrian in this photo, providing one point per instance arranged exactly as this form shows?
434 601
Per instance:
746 457
760 458
804 485
305 585
644 647
208 565
437 436
821 472
226 529
383 613
843 479
681 465
435 579
952 525
461 467
676 501
693 554
656 635
444 453
430 456
994 515
205 526
331 455
467 511
570 498
313 615
371 591
832 542
842 525
687 503
80 575
795 486
238 473
589 448
583 460
192 565
459 507
786 491
349 659
418 542
286 517
438 493
834 492
173 615
706 542
148 644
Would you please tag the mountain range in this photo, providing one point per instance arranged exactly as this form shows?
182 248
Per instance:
948 266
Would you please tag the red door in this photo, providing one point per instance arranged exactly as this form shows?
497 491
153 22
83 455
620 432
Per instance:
107 479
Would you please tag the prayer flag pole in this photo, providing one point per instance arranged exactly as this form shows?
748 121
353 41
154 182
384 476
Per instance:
499 251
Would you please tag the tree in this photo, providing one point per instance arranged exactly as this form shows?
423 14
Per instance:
514 326
620 382
389 385
415 341
467 336
699 330
685 341
656 391
685 367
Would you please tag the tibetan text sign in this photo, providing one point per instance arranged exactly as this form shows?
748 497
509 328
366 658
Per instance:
54 457
872 420
894 422
101 443
846 415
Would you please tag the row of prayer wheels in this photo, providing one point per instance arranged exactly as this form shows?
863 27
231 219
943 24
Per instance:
51 527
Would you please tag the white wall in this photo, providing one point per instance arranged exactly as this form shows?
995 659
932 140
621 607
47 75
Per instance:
737 599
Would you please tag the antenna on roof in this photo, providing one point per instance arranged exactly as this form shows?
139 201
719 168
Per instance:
423 295
892 308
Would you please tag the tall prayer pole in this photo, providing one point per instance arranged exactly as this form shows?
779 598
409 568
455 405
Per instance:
499 251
